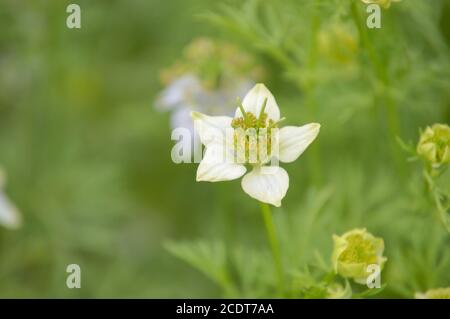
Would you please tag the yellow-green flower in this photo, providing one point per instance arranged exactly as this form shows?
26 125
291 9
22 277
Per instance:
215 63
384 3
438 293
354 251
338 43
434 145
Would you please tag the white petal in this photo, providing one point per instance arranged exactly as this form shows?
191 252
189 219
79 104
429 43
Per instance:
9 215
295 139
267 184
211 129
254 101
215 167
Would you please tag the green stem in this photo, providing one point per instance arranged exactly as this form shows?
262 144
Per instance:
383 77
274 244
436 196
309 89
442 212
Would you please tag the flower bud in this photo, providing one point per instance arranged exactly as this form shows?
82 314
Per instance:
434 145
439 293
338 43
354 251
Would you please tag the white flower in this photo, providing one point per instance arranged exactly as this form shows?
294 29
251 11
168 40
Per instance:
9 215
258 115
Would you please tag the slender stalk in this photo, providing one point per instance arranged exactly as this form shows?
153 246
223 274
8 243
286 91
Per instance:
442 212
383 77
274 244
310 96
436 196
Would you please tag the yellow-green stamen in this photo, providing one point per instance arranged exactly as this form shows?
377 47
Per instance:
253 135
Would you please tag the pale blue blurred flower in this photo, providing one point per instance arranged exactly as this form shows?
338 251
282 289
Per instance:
9 214
186 94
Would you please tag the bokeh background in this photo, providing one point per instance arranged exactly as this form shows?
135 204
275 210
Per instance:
88 156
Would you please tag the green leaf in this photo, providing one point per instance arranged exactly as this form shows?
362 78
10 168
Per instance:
370 292
207 257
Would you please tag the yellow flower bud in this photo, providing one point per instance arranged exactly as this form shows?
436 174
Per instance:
439 293
354 251
434 145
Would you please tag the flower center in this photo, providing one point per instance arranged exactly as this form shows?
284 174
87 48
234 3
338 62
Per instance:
252 136
359 250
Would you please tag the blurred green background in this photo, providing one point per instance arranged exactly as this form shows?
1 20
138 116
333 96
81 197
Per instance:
88 157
